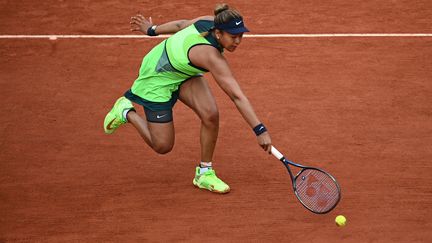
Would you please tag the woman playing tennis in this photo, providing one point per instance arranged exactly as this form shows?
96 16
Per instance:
173 70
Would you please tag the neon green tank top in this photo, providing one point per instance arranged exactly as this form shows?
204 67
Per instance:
167 65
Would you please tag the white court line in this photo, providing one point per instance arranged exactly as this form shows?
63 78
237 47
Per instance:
246 36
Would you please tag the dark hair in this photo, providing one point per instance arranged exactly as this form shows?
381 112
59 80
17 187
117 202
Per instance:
223 14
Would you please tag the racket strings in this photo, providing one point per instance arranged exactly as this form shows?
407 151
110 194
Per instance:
317 190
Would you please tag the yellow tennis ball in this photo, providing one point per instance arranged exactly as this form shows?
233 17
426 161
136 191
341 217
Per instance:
340 220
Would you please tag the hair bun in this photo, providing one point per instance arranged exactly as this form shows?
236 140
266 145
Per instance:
220 8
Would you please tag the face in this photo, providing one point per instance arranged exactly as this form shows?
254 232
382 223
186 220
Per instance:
228 41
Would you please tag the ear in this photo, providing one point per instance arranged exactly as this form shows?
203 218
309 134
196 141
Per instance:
218 33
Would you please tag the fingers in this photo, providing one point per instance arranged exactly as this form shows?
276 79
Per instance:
136 20
135 26
264 141
139 19
140 23
267 148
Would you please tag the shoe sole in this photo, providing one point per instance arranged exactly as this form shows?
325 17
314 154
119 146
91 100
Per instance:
211 190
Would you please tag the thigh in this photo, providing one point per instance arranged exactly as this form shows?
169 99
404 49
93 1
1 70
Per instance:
162 134
196 94
160 125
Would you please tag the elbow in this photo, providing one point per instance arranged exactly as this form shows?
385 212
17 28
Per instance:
234 96
181 25
237 97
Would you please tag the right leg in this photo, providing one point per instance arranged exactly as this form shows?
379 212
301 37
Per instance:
159 136
157 130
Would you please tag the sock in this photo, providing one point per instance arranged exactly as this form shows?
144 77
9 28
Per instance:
205 166
125 114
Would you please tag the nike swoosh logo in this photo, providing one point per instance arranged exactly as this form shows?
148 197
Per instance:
159 117
109 125
237 23
261 128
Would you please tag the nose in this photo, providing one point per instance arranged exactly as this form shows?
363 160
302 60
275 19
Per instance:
237 40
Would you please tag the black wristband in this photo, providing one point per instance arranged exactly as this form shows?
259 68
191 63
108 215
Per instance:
152 31
260 129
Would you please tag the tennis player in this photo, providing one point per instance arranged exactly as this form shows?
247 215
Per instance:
174 70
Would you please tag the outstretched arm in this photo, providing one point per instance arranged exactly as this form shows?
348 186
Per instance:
209 58
142 24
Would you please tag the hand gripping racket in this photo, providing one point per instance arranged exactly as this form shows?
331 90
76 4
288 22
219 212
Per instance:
317 190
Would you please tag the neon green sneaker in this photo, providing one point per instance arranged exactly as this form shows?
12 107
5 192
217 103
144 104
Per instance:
115 118
208 180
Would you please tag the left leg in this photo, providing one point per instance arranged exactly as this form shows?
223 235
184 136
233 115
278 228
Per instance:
196 94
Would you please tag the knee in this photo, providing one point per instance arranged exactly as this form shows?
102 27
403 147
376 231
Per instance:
211 117
163 148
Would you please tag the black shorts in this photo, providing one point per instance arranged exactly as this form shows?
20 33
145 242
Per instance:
158 112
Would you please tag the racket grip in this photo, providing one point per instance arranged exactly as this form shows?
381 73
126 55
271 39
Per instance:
276 153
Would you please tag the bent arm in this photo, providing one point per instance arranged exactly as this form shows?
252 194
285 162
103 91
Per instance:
175 26
140 23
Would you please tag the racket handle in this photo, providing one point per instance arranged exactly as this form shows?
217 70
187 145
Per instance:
276 153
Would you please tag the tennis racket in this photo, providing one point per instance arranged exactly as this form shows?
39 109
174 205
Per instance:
317 190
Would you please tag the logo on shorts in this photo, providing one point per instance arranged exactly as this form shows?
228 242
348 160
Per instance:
160 116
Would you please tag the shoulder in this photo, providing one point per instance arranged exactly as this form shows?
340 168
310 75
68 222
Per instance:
207 57
205 51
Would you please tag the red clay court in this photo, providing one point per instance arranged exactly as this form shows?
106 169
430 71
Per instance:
358 107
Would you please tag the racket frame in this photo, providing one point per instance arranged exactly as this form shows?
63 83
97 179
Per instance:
287 164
